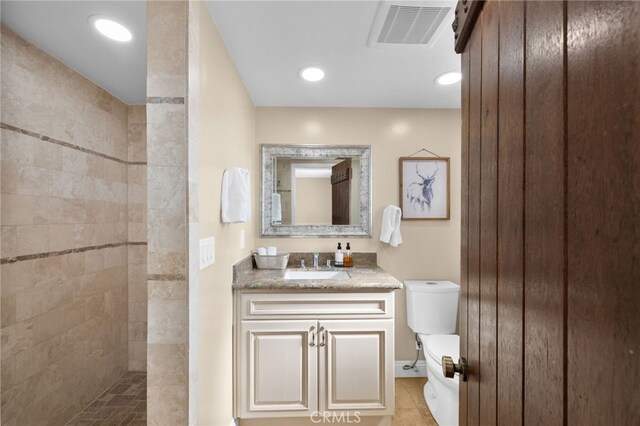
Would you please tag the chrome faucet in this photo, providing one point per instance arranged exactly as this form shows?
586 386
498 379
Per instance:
316 260
304 268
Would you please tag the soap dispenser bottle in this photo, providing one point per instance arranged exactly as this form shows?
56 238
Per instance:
348 260
339 256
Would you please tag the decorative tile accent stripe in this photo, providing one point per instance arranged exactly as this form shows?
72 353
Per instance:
67 144
44 255
166 277
164 100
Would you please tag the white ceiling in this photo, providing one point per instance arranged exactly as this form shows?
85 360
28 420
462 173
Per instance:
61 28
270 41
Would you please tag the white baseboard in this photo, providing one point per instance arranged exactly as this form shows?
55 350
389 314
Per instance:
421 366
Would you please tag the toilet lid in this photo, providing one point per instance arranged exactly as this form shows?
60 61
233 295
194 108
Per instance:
439 345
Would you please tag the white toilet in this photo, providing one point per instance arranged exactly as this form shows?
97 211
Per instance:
432 310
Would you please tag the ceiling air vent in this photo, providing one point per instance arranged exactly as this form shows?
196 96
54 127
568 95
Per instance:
410 23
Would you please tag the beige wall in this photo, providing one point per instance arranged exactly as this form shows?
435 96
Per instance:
64 237
313 201
226 140
431 249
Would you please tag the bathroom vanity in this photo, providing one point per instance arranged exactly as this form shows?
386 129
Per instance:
314 344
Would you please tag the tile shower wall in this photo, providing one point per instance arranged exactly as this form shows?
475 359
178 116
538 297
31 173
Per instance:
167 214
65 232
137 248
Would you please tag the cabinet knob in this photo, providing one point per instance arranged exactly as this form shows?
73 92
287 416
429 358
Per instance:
455 25
450 368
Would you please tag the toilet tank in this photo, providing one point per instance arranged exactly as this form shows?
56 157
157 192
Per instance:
432 306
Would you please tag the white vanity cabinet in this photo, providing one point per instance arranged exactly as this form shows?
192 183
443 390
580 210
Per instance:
307 352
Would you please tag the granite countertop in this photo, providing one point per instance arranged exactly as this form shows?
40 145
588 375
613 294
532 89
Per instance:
362 278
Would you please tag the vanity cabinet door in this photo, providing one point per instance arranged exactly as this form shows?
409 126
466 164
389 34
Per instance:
356 366
279 372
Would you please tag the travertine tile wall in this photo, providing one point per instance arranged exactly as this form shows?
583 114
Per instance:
137 249
65 225
193 210
167 214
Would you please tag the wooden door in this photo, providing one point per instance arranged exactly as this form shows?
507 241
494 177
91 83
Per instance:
356 366
341 175
549 314
280 377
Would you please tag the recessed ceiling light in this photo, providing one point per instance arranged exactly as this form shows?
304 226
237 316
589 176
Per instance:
311 73
110 28
449 78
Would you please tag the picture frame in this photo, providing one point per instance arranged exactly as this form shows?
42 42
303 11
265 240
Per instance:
425 188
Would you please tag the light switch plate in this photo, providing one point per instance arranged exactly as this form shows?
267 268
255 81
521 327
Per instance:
207 252
241 238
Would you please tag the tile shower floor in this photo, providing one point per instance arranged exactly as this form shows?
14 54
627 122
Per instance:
124 403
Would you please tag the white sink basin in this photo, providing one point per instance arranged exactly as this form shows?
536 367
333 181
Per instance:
316 275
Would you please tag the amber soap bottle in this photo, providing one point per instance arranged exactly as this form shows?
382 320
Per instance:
348 258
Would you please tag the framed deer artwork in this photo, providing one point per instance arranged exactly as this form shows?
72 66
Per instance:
424 188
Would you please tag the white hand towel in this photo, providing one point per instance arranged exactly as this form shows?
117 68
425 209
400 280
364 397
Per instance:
236 196
276 208
390 230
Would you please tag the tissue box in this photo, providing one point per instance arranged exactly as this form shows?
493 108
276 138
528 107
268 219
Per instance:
279 261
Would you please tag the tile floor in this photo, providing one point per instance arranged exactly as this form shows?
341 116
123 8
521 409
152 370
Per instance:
124 403
411 409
